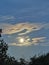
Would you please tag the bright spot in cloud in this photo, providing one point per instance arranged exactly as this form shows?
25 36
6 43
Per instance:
27 41
21 40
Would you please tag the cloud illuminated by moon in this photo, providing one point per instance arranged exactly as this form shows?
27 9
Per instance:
28 42
22 30
17 28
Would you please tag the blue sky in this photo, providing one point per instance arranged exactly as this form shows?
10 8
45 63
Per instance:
26 20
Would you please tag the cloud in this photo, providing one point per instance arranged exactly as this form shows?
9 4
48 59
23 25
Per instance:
46 44
22 28
20 44
37 40
28 41
18 28
12 44
8 17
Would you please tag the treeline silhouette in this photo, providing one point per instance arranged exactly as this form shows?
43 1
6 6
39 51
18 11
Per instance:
8 60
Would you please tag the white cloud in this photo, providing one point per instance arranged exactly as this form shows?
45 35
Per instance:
39 39
10 29
8 17
19 27
28 42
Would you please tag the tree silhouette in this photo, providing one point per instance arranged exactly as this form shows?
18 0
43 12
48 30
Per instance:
4 58
22 61
3 48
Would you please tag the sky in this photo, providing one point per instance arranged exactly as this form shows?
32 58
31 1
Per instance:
25 25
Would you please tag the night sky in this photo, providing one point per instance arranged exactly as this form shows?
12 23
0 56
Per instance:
25 25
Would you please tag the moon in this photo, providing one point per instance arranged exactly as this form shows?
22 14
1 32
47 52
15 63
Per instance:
21 40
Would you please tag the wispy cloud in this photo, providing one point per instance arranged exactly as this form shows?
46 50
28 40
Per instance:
22 30
37 40
7 17
29 27
46 44
28 41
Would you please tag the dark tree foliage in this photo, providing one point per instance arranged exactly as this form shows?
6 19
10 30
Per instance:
4 58
3 50
22 61
41 60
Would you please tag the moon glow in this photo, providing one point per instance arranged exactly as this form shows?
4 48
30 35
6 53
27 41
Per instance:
21 40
